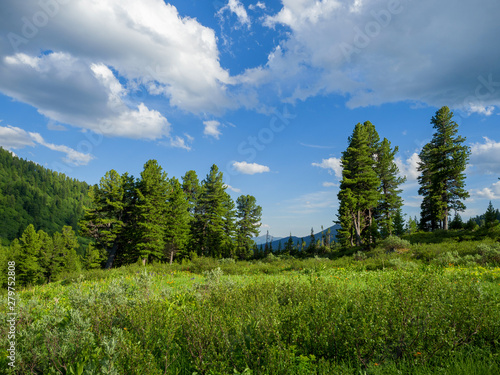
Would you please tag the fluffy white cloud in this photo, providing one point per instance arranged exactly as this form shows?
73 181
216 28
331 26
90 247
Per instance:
332 163
212 128
237 8
95 42
383 51
485 157
13 137
492 192
250 168
66 90
408 168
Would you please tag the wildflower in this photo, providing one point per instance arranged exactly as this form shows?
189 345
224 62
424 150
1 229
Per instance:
376 364
417 353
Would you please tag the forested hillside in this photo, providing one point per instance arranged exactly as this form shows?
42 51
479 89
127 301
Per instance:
32 194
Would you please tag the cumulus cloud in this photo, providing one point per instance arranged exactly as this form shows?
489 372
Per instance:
408 167
383 51
212 128
492 192
250 168
67 90
92 46
15 138
331 163
485 157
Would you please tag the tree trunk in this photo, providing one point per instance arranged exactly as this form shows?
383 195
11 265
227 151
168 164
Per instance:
144 261
171 256
112 255
445 221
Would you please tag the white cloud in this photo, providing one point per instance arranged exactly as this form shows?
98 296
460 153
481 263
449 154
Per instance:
237 8
383 51
485 157
146 44
408 168
212 128
330 184
492 192
67 90
259 5
250 168
13 137
181 142
236 190
332 163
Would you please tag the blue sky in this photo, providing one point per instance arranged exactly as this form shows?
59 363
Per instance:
267 90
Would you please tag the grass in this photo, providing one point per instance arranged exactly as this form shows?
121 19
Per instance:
311 316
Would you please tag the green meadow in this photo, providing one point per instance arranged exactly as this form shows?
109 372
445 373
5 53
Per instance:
383 314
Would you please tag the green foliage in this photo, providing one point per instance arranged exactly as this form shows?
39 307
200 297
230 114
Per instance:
490 216
393 243
153 193
442 164
177 228
369 191
313 318
32 194
249 216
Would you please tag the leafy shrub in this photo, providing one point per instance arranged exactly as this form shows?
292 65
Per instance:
393 243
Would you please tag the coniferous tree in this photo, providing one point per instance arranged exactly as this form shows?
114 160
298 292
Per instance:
191 187
229 219
249 216
390 199
359 189
153 192
457 222
177 227
26 254
442 164
490 216
398 223
103 221
208 230
288 246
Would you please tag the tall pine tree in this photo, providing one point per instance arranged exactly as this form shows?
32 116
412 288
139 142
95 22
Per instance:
249 215
153 192
390 198
359 189
442 164
177 228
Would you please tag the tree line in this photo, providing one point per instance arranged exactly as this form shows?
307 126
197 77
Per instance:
156 218
369 197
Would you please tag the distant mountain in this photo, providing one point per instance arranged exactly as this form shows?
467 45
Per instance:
261 240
